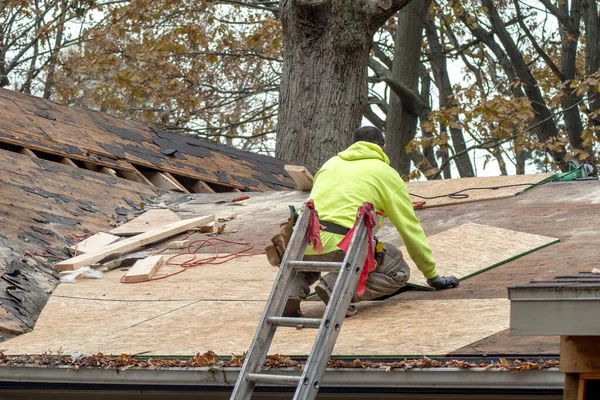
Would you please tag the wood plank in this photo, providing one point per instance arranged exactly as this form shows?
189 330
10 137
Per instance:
69 162
579 354
202 187
470 249
161 180
149 220
28 152
571 387
133 243
94 243
108 171
301 176
179 244
176 182
136 176
143 269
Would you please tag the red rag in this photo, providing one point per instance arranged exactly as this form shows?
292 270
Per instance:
313 232
367 210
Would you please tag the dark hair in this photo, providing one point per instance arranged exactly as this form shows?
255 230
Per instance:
368 134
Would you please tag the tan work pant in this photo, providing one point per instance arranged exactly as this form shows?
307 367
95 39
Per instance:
386 279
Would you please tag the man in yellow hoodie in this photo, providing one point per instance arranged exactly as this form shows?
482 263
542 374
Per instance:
359 174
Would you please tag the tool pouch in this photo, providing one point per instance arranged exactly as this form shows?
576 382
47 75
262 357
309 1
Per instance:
280 241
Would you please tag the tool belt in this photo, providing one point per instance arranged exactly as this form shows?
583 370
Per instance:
280 241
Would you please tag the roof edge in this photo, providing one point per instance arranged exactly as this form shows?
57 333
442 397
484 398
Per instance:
172 378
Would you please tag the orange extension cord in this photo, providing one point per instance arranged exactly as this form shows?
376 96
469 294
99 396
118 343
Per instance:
193 249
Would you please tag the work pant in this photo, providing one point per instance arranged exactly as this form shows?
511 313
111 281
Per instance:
386 279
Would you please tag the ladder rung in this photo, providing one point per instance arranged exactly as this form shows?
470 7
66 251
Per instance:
316 266
269 379
297 323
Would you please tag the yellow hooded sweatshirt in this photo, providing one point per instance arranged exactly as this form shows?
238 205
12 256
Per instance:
362 173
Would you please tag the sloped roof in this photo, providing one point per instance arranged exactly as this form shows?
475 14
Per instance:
126 146
475 301
67 171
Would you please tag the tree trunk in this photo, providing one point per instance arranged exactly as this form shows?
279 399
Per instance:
401 124
592 55
3 73
570 39
548 129
49 85
440 72
323 90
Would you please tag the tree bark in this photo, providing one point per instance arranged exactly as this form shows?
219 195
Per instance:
570 38
323 90
440 72
49 85
3 73
591 20
401 123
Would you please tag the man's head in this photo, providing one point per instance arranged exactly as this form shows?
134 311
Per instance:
369 134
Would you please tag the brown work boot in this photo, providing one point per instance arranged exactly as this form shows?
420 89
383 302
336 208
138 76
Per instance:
324 293
292 309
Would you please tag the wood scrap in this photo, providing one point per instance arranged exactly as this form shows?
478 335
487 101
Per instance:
94 243
133 243
149 220
301 176
144 269
179 244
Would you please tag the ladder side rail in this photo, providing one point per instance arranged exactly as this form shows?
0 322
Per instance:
274 306
334 316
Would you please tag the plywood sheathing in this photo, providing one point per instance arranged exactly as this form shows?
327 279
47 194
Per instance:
184 327
471 248
447 186
248 278
149 220
45 125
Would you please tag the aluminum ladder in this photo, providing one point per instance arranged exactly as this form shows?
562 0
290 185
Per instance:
308 383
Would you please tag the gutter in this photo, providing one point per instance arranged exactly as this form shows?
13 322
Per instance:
433 380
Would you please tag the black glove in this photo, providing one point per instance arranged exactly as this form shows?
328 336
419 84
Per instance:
443 282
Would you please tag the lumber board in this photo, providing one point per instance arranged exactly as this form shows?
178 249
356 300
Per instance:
186 327
202 187
469 249
476 189
133 243
94 243
164 181
143 269
301 176
28 152
579 354
147 221
179 244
